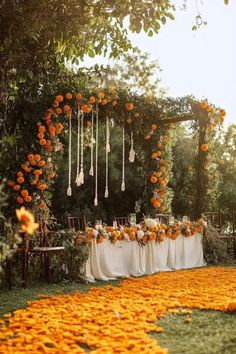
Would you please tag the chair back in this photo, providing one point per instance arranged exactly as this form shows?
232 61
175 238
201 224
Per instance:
164 218
78 223
122 221
234 222
214 218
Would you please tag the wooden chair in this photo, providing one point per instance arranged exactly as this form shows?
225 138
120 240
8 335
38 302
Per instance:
78 223
214 219
164 218
21 250
44 249
122 221
234 222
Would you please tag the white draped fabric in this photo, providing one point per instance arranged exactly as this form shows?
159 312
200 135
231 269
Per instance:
109 261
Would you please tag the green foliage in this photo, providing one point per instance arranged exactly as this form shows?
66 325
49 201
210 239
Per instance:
73 258
214 249
136 72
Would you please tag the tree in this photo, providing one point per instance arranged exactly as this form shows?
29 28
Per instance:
33 33
134 71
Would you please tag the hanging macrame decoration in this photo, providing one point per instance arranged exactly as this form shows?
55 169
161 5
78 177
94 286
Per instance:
123 162
81 174
96 161
69 191
91 171
78 150
131 152
106 195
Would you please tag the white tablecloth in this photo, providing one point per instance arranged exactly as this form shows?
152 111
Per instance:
108 261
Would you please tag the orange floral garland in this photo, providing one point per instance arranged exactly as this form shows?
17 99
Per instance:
116 319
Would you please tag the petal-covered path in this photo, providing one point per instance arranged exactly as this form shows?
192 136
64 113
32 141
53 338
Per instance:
115 319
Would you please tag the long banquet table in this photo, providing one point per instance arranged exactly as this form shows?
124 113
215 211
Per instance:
109 261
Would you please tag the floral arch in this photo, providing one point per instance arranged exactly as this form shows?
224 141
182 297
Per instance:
148 122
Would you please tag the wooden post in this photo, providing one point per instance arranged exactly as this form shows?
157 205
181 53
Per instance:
201 180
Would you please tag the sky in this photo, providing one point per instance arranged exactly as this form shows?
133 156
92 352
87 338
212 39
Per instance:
202 62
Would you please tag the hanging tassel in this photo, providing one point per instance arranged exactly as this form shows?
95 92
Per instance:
78 150
131 152
96 161
69 190
107 153
81 174
91 171
123 162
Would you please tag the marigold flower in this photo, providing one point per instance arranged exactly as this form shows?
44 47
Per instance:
204 147
114 103
42 129
153 179
28 199
24 192
69 96
11 183
20 180
40 135
59 98
37 157
153 126
156 204
42 205
66 108
92 99
101 94
58 110
26 220
79 97
203 104
16 187
104 102
20 200
42 142
41 163
129 106
42 186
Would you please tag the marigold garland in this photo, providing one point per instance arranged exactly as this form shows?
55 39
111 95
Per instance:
115 319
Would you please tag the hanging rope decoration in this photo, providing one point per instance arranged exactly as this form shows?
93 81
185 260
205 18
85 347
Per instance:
81 174
91 171
123 162
96 161
69 191
106 195
131 152
78 150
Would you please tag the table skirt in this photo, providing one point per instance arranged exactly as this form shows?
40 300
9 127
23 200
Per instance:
109 261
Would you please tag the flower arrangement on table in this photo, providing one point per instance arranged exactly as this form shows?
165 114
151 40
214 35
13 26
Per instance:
148 230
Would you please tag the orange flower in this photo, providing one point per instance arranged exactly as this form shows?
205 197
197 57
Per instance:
20 180
114 103
66 108
42 142
222 113
154 155
42 186
20 200
40 135
58 111
101 94
24 192
55 104
92 99
204 147
154 126
59 98
129 106
19 174
69 96
16 187
48 143
59 126
203 104
41 163
129 120
33 162
26 220
28 199
42 129
30 157
38 172
37 157
33 182
156 204
42 205
79 97
153 179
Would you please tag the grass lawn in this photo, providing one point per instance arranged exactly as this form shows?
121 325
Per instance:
200 332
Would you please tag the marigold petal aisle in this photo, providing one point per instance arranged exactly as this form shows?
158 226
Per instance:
115 319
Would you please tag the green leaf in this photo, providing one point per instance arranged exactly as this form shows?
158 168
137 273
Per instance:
91 53
150 33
